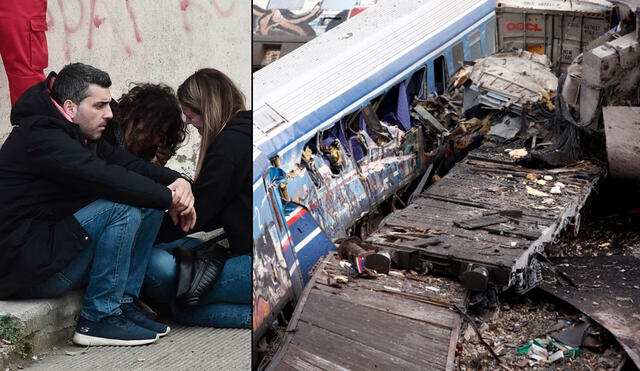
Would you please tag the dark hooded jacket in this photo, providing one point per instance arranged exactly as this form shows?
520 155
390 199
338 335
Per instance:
223 187
48 171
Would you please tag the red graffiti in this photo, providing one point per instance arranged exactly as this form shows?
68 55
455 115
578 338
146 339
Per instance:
68 30
101 15
521 26
94 21
132 15
186 4
223 12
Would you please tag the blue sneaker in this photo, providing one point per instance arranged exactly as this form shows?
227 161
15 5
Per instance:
112 330
132 312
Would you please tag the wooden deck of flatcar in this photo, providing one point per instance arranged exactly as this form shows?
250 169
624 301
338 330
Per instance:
487 187
402 321
398 321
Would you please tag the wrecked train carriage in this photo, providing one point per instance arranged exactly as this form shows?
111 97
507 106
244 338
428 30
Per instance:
601 91
334 135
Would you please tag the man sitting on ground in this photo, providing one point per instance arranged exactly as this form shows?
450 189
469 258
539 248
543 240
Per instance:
77 211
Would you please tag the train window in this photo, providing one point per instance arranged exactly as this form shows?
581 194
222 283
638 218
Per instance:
394 109
417 87
354 144
331 147
312 159
490 32
371 123
348 121
440 74
375 102
458 55
285 4
475 45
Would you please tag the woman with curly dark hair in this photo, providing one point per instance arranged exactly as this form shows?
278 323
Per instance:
218 292
148 122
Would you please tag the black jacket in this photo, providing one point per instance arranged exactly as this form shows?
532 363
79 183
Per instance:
223 188
48 171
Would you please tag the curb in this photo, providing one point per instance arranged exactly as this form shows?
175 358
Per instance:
45 323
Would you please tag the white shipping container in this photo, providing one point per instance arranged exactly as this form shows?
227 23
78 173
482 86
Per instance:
560 29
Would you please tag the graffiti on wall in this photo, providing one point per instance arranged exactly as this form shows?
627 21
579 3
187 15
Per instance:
284 21
300 22
86 18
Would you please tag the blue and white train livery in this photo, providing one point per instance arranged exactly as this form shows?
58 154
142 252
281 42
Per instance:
335 135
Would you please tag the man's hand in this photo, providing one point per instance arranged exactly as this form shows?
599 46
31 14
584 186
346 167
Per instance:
182 210
182 198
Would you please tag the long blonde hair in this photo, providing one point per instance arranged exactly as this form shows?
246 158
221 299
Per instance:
211 94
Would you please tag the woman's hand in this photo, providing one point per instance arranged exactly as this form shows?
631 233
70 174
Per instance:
186 219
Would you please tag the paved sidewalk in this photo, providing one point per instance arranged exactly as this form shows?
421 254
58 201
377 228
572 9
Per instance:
49 324
185 348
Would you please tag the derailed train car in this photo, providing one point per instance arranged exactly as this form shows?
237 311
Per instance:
335 135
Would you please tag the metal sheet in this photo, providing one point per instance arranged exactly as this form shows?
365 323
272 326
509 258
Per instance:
622 130
608 292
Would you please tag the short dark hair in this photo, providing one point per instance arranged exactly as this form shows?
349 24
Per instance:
72 82
155 105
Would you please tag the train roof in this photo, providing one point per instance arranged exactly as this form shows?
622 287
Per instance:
334 73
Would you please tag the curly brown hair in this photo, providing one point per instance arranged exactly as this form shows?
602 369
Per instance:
155 105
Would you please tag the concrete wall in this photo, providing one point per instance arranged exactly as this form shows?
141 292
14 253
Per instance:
148 40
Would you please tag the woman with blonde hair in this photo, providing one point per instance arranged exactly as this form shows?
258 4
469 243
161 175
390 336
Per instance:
213 104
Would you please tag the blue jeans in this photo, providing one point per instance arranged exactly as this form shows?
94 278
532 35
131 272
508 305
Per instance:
227 304
113 266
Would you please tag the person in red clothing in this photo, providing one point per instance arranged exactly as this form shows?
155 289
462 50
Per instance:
23 43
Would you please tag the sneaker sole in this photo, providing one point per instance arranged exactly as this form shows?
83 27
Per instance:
82 339
161 334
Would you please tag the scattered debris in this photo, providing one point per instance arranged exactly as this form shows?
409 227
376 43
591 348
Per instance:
535 192
341 279
519 82
77 352
547 351
518 153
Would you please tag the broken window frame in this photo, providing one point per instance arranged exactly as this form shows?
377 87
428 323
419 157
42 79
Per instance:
325 149
375 102
391 107
373 123
348 128
442 72
457 54
421 93
474 40
490 37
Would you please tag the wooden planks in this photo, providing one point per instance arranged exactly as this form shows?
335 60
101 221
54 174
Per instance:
359 327
487 181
